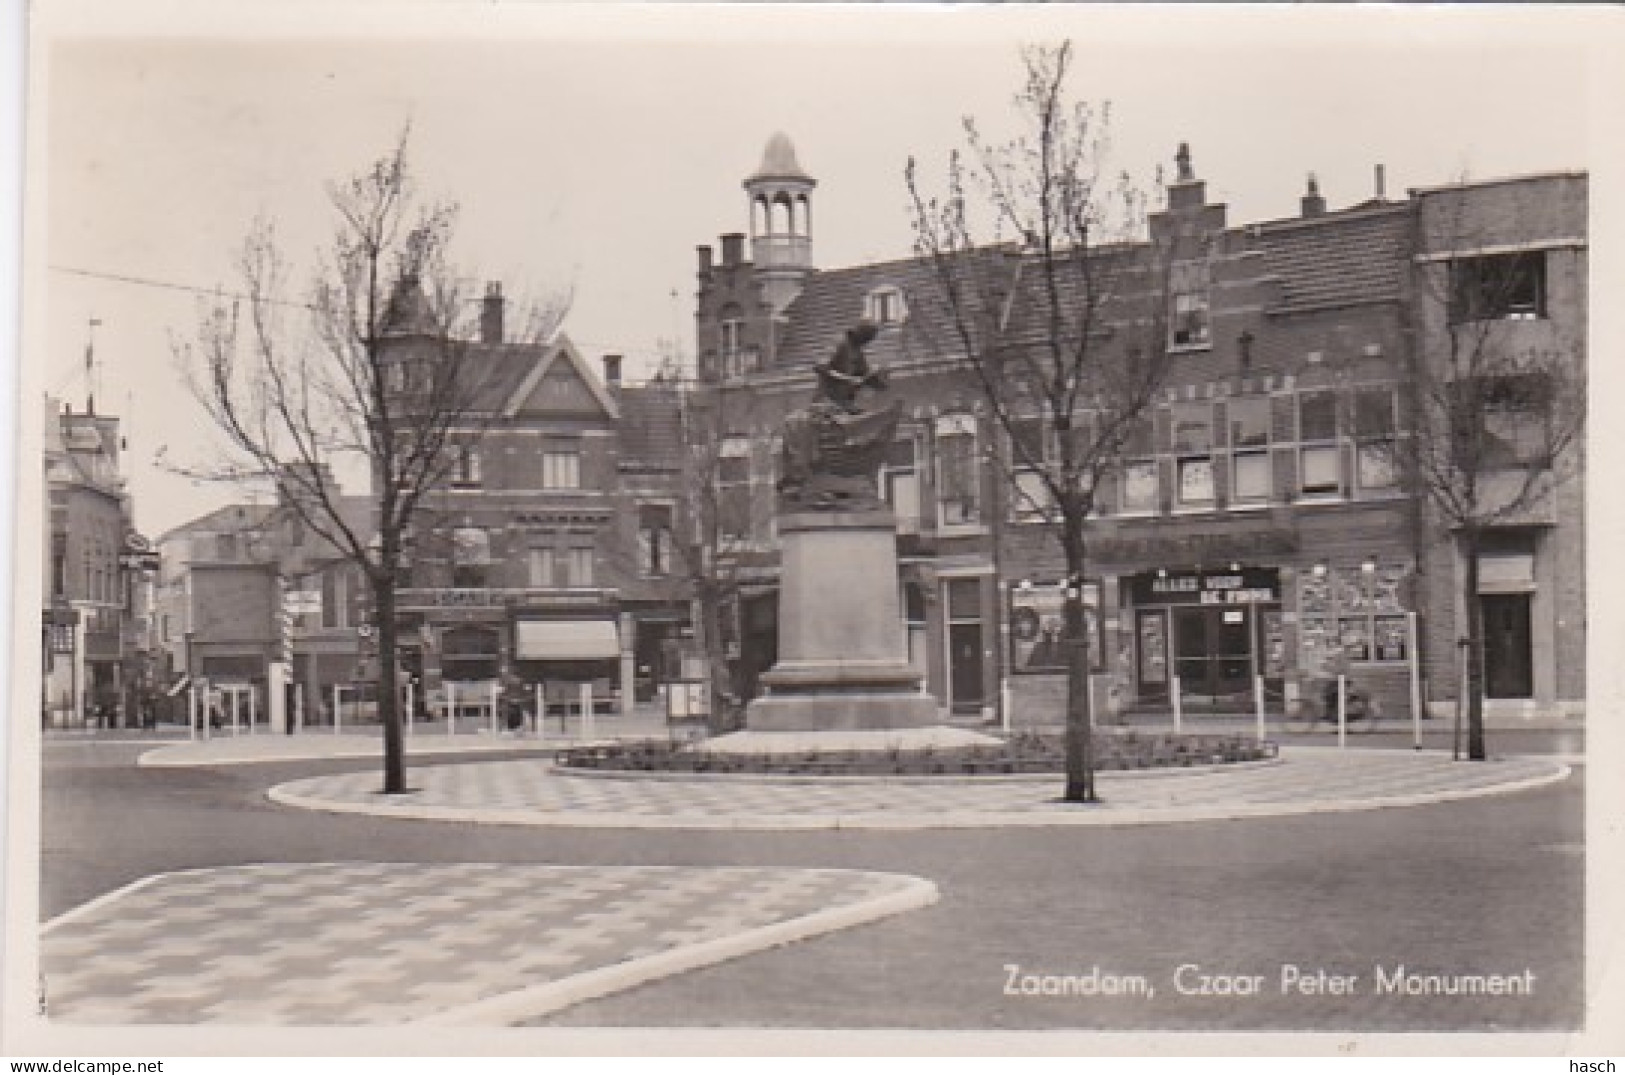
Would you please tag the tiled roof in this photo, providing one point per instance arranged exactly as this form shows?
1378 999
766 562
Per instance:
651 427
231 519
833 301
1347 257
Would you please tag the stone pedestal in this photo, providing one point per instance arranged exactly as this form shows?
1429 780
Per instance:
843 661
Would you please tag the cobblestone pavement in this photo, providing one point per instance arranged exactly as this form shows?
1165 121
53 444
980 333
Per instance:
533 792
373 943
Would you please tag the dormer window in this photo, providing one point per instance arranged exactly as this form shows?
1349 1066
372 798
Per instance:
885 306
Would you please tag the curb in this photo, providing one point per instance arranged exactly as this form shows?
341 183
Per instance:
509 1008
898 822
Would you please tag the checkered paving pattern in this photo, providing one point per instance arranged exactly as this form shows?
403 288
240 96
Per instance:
376 943
531 791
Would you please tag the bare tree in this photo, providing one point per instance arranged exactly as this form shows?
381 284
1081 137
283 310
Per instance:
1055 306
1497 411
373 369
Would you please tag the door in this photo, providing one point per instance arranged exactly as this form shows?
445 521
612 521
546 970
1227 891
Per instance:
1508 664
965 688
1213 648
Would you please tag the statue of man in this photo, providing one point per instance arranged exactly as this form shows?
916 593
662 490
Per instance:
847 371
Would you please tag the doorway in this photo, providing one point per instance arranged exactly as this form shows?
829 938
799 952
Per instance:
1214 652
1508 663
966 691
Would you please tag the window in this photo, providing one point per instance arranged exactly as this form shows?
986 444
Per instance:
1029 497
884 306
578 567
1140 485
737 358
1497 287
1251 476
959 476
1374 427
1318 469
225 548
465 465
654 539
733 490
1188 284
542 568
1193 453
1514 408
561 469
900 483
470 556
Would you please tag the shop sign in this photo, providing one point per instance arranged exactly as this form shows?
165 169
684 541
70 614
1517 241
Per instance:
1246 586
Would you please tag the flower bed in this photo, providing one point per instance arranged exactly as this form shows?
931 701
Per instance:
1025 752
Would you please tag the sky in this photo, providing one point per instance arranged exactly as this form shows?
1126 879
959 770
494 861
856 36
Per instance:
593 150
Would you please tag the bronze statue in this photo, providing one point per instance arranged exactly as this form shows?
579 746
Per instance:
833 448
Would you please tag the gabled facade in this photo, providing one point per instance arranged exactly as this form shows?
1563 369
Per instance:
544 559
1257 529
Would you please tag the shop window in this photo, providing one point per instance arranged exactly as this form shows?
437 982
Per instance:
1319 472
959 474
1355 611
1498 287
900 483
1188 286
1374 432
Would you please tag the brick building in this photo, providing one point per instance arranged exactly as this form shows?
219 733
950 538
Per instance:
545 558
93 651
1259 525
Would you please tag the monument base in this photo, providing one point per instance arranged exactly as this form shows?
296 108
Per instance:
841 710
761 744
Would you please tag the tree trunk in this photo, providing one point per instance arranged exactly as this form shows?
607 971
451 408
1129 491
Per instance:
389 703
1080 750
719 719
1475 645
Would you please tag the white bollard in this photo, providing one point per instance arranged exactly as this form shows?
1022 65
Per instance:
1258 707
1342 711
1179 704
1416 680
338 716
191 711
236 719
586 711
299 708
451 708
496 721
411 706
541 714
253 710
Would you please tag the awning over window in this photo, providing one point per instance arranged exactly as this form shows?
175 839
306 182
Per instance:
567 640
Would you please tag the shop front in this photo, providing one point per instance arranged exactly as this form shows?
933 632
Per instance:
1208 635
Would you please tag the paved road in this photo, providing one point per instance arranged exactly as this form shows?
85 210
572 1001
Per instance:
1489 886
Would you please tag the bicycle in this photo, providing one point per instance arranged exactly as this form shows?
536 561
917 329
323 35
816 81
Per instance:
1317 709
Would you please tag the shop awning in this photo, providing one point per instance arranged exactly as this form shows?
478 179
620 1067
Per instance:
567 640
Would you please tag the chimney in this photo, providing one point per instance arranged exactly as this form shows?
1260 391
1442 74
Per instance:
705 260
612 372
733 249
1382 184
1312 203
491 313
